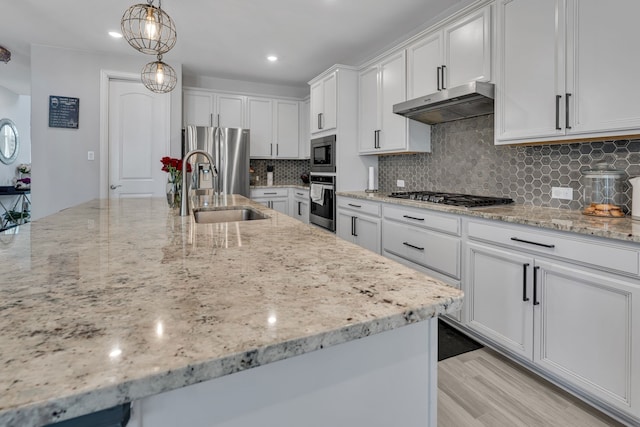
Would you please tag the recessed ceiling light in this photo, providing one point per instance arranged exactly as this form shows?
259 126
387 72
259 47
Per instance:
272 58
115 34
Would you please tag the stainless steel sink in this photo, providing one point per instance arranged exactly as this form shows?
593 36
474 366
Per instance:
227 214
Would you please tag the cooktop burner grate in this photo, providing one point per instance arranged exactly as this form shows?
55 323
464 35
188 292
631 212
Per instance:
452 199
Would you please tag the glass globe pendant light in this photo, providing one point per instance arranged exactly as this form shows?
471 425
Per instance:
159 77
148 28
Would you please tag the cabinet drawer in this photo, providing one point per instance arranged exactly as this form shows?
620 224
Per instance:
269 192
433 250
300 194
599 254
358 205
423 218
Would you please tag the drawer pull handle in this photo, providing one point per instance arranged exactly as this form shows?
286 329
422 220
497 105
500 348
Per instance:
412 246
413 217
269 193
524 282
544 245
535 286
355 206
300 194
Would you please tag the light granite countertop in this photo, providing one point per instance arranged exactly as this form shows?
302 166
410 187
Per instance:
298 186
556 219
113 301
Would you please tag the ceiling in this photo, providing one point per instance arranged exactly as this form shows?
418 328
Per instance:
225 38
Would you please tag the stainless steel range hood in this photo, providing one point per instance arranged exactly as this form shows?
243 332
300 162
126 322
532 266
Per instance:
460 102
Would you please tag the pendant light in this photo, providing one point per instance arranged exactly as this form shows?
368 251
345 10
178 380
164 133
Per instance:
148 29
159 77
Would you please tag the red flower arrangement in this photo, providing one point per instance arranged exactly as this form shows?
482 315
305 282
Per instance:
174 167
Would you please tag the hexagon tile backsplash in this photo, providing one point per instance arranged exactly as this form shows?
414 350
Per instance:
465 160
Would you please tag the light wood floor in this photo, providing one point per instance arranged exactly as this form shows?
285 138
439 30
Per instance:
482 388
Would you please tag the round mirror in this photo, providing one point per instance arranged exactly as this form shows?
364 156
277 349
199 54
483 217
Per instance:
9 143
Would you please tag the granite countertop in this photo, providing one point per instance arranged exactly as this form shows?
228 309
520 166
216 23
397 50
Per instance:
556 219
113 301
299 186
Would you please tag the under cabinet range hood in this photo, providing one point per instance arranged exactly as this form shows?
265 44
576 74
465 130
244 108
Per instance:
460 102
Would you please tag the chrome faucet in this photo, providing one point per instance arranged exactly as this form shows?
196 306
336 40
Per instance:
184 202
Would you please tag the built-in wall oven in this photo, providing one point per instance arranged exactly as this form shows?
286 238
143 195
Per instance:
323 154
323 200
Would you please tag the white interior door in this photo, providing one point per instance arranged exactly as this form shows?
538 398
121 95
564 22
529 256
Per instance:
138 139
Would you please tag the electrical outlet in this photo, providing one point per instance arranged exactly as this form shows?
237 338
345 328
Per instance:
91 155
400 183
565 193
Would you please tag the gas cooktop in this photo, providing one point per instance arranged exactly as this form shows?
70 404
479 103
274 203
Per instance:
452 199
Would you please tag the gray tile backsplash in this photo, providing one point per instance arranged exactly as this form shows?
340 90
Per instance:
284 171
464 159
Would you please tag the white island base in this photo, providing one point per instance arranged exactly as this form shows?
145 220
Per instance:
387 379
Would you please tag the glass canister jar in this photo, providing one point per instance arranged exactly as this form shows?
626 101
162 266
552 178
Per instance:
603 190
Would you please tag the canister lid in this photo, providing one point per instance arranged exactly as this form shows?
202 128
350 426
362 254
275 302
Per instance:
603 170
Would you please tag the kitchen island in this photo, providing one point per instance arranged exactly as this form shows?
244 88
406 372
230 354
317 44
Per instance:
120 301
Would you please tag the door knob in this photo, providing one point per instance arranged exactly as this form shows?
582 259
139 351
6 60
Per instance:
113 187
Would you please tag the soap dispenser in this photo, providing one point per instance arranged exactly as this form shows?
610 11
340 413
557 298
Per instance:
635 198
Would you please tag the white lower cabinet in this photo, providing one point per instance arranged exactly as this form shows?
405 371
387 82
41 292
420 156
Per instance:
276 198
573 322
359 222
300 205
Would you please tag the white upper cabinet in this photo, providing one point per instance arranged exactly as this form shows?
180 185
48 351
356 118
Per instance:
197 108
602 66
229 111
274 127
381 131
457 54
305 135
467 49
287 128
323 104
582 84
424 62
204 108
260 124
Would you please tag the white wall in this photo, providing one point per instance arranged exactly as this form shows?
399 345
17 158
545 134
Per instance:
239 86
17 108
62 175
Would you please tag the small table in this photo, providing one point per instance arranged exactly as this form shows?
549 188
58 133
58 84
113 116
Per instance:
7 220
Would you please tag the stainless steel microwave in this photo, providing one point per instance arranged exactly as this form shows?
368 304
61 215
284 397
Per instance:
323 154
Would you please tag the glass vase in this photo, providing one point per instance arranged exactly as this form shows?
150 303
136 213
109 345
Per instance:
174 192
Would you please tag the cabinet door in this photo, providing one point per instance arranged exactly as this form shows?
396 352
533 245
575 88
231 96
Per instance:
300 210
468 49
280 205
527 84
305 134
287 128
330 107
583 330
197 108
368 109
496 297
260 124
344 224
316 106
393 87
367 233
602 66
230 110
423 59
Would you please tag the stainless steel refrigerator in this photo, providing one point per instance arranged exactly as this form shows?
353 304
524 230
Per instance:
229 148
